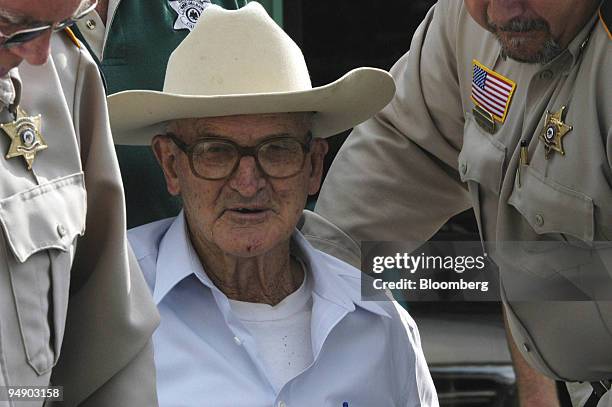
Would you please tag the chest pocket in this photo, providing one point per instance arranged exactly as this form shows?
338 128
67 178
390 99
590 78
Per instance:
481 159
40 227
550 207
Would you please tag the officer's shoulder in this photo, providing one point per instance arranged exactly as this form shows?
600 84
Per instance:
145 239
68 51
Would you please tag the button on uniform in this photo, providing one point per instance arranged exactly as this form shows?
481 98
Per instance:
282 404
547 74
539 219
61 230
91 24
238 341
463 168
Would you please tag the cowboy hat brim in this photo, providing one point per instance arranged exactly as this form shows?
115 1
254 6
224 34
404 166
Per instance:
138 115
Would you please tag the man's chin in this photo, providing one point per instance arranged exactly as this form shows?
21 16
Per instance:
524 47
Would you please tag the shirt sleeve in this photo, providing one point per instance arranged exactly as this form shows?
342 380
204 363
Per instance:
395 178
111 316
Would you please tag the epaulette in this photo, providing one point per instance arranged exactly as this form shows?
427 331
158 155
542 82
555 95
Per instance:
72 37
605 15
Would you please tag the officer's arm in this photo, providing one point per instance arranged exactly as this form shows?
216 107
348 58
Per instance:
106 355
395 178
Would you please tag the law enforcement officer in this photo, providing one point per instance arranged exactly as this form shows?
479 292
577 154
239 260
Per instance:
131 41
68 281
514 99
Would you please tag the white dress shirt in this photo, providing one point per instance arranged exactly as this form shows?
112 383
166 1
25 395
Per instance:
365 353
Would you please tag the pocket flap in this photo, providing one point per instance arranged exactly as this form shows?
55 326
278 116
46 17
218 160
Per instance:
481 158
48 216
550 207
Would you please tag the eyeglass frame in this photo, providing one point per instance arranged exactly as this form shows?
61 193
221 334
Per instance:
5 39
243 151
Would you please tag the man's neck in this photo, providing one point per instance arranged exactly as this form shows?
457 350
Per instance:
102 10
265 279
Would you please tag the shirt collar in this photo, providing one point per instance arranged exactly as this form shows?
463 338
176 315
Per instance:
577 46
567 59
176 259
333 280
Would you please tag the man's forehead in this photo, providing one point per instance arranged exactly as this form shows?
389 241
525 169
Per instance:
251 124
27 12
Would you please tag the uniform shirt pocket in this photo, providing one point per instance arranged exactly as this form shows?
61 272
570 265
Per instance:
550 207
40 227
481 158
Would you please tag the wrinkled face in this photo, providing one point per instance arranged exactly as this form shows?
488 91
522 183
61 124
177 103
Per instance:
17 15
248 213
533 31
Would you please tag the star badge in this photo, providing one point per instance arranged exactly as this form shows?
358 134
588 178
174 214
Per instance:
25 135
553 132
188 12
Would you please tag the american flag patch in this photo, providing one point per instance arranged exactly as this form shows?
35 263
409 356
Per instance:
491 91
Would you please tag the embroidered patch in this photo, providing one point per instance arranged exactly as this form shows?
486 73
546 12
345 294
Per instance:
189 11
491 91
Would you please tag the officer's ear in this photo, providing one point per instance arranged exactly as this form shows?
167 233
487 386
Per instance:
165 152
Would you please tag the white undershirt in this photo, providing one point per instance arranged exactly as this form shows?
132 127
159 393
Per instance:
281 332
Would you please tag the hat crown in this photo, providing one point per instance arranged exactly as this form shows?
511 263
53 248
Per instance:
234 52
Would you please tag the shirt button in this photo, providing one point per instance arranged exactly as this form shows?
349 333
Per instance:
91 24
61 230
547 74
282 404
463 168
237 340
539 219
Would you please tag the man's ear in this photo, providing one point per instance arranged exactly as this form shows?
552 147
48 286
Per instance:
317 158
165 153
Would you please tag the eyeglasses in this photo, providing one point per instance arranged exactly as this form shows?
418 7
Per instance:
22 36
215 159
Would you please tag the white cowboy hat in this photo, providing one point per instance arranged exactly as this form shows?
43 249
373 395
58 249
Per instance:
241 62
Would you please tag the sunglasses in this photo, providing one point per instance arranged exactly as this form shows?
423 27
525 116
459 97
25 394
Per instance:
22 36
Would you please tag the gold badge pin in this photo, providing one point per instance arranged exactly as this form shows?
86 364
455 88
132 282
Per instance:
25 135
553 132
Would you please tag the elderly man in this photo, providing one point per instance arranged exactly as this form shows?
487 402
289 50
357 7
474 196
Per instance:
63 225
252 315
503 106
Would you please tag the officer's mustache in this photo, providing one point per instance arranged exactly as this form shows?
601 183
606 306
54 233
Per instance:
519 25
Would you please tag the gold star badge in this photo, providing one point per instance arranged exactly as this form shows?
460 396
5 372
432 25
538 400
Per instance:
553 131
25 135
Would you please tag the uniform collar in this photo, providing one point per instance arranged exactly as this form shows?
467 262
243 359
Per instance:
580 42
333 280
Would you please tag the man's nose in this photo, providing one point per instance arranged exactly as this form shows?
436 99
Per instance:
247 179
36 51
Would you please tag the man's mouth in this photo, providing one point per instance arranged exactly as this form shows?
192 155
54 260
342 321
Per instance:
248 210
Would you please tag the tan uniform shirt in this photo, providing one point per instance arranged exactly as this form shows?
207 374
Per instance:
68 280
423 159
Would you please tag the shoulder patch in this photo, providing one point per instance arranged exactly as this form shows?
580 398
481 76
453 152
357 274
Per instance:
605 15
72 37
